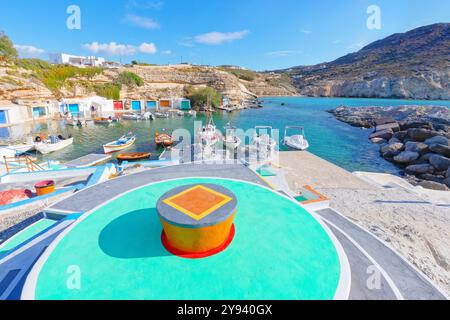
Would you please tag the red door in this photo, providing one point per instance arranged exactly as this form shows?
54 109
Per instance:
118 105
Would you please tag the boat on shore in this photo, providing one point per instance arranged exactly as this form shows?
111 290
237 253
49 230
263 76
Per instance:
133 156
163 139
52 144
122 143
162 115
296 141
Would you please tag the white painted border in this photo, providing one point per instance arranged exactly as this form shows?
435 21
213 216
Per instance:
342 290
387 245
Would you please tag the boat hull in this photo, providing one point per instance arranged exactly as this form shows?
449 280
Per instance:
111 148
46 148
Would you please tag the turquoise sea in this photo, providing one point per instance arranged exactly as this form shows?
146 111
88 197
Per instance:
346 146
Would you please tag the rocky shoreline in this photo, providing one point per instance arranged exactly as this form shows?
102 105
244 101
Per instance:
415 138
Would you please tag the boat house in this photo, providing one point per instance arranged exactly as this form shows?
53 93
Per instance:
165 104
82 107
182 104
151 104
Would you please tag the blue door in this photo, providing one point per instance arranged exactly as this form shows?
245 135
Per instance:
135 105
151 104
2 116
74 109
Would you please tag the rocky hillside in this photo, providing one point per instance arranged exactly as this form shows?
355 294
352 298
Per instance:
26 83
412 65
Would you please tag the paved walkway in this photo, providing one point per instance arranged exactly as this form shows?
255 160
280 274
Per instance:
368 257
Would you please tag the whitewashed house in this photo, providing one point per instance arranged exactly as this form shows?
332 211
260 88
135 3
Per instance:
82 107
78 61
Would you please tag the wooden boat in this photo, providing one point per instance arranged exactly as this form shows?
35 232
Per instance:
132 156
102 120
53 144
124 142
163 139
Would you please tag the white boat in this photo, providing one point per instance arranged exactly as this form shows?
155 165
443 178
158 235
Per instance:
148 116
264 141
296 141
161 115
192 113
124 142
209 135
231 140
131 116
53 144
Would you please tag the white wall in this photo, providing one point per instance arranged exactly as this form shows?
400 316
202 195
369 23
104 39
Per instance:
16 114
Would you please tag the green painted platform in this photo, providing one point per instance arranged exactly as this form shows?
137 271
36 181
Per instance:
279 252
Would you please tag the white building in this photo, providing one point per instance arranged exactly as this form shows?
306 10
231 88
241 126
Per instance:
82 107
20 112
78 61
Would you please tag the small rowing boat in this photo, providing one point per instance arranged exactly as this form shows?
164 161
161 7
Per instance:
124 142
52 144
133 156
163 139
102 120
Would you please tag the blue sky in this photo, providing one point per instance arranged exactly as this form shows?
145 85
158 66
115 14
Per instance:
258 34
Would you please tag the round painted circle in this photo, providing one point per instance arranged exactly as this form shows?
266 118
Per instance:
279 252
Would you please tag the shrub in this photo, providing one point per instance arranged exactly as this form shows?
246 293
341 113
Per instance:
7 49
201 96
108 90
129 79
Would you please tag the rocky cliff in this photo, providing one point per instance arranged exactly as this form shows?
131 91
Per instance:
17 83
411 65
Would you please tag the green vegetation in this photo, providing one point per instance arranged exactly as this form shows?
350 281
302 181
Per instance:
7 50
201 96
10 80
247 75
108 90
144 64
54 76
129 79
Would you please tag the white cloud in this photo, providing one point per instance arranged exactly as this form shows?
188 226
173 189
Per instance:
216 38
148 48
142 22
167 52
283 53
28 50
305 31
117 49
186 42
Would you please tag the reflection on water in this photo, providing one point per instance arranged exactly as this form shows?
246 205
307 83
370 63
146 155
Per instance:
335 141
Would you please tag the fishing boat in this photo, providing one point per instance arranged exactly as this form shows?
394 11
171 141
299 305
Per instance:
133 156
231 140
296 141
264 142
16 149
52 143
163 139
123 142
74 123
148 116
209 135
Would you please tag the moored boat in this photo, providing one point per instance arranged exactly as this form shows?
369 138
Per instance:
124 142
131 116
296 141
163 139
52 144
133 156
103 120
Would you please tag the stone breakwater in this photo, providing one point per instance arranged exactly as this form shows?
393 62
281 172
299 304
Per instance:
415 138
